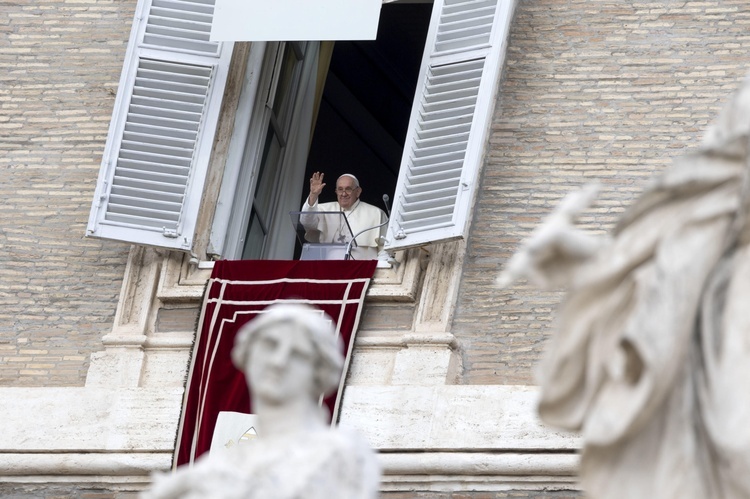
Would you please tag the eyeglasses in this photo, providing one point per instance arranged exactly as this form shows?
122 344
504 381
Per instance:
347 190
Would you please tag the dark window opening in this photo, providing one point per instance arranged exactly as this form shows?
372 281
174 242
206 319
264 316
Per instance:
366 103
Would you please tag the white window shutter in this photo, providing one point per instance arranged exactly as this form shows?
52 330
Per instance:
163 125
449 123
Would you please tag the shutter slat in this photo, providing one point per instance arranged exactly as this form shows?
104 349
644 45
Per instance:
425 172
149 160
150 175
157 149
164 13
428 190
174 68
457 155
169 75
147 138
187 25
128 209
470 32
474 16
178 43
160 94
440 150
182 8
176 89
461 128
461 22
149 219
136 192
155 120
185 136
438 118
141 204
173 33
149 102
429 179
449 91
414 218
166 113
149 186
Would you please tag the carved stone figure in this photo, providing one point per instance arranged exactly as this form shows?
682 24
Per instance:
651 360
290 356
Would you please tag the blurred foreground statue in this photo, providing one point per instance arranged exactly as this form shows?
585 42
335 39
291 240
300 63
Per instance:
651 360
290 356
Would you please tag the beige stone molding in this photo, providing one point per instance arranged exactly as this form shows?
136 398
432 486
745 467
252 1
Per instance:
135 305
372 340
135 465
180 281
479 471
440 287
401 282
407 471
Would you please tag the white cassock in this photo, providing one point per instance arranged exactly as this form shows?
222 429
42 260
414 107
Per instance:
333 229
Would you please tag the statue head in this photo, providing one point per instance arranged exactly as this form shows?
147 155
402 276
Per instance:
289 351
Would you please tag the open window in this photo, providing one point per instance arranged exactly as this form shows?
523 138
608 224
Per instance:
349 106
408 114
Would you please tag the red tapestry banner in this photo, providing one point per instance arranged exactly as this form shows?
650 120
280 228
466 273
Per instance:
238 291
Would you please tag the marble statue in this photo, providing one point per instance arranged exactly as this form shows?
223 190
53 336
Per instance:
650 362
290 356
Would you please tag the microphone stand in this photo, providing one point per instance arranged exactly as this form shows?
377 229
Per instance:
348 254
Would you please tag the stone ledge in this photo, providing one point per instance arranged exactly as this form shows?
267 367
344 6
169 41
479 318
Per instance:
126 465
478 471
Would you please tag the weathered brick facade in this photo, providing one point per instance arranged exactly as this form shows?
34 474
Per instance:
60 62
601 90
592 90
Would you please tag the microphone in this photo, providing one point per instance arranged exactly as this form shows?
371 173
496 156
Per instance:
348 253
385 202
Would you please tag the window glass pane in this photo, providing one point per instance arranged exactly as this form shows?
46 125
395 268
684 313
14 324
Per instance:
254 239
263 198
264 189
290 65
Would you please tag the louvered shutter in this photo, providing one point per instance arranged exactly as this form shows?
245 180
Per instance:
162 130
449 122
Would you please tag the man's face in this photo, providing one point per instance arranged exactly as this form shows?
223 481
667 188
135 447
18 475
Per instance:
282 365
346 192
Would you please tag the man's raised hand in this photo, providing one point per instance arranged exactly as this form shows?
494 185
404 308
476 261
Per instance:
316 187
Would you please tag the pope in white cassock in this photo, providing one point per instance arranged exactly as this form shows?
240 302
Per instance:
359 215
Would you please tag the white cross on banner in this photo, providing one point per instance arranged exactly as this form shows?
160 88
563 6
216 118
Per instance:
287 20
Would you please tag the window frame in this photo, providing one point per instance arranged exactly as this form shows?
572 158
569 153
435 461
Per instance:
494 51
252 119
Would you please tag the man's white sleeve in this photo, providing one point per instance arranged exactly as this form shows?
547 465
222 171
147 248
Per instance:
309 221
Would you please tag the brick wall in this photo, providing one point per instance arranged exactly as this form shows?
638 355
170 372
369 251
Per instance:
592 90
60 61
